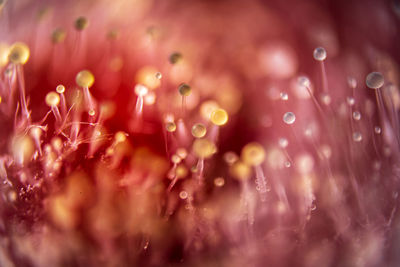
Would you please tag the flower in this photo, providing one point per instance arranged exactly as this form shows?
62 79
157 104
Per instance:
199 133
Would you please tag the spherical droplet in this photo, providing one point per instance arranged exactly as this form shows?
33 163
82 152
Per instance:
81 23
357 115
219 181
91 112
253 154
170 127
183 195
58 36
219 117
289 118
52 99
303 81
377 130
141 90
350 101
204 148
199 130
230 157
240 171
19 53
374 80
319 54
84 79
284 96
283 142
158 75
184 89
60 89
357 136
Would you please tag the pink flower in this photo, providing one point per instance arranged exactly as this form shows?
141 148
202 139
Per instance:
201 133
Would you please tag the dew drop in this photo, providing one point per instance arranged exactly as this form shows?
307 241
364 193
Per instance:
374 80
377 130
283 142
350 101
357 136
319 54
284 96
158 75
289 118
356 115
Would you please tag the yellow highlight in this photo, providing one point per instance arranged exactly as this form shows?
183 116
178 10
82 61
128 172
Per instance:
219 117
240 171
52 99
4 51
171 127
85 79
147 76
207 108
199 130
253 154
19 53
204 148
60 89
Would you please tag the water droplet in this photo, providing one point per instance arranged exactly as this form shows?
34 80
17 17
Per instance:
219 181
158 75
284 96
352 82
350 101
303 81
289 118
319 54
357 136
287 164
356 115
283 142
377 130
183 195
326 99
374 80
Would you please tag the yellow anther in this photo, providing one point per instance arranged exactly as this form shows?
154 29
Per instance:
52 99
19 53
219 117
199 130
253 154
85 79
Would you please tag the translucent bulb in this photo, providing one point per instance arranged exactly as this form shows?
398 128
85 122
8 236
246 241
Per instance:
52 99
141 90
199 130
289 118
374 80
240 171
184 89
377 130
357 136
85 79
204 148
319 54
303 81
357 115
158 75
175 57
81 23
170 127
58 36
19 53
284 96
219 117
253 154
60 89
283 142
